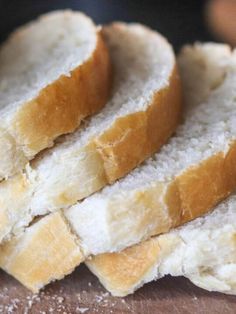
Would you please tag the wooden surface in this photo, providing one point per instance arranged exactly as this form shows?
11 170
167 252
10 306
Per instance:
81 293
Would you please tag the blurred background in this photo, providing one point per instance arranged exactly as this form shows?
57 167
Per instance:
181 21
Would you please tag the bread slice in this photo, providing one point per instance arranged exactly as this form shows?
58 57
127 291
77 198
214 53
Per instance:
145 107
203 250
54 72
201 137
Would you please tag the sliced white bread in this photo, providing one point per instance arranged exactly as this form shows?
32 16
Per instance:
202 152
53 72
189 176
203 250
144 108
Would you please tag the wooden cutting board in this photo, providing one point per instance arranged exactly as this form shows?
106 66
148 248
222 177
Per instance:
82 293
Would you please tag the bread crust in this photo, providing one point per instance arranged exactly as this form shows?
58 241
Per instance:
43 254
120 272
150 129
58 109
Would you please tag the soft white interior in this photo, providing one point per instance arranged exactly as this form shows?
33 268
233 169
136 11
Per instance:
208 129
39 53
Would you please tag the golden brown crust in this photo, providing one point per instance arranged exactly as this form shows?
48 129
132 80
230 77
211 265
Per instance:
201 187
46 248
60 107
120 271
150 129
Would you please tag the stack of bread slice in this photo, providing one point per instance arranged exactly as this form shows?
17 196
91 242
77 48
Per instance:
203 250
144 108
58 211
